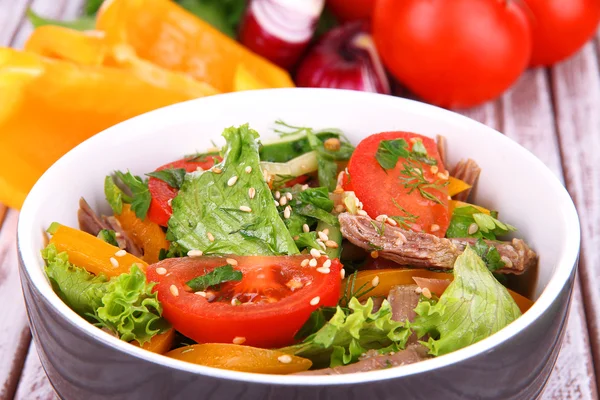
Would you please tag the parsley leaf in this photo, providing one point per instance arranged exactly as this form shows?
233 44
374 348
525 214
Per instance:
173 176
219 275
389 151
140 201
109 236
487 226
489 254
114 195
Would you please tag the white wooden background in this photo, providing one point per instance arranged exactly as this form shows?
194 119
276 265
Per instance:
553 112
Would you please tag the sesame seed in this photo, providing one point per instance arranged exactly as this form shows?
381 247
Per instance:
203 294
277 195
320 243
323 270
313 262
210 296
289 196
418 290
338 190
398 242
217 170
210 236
362 212
315 253
434 169
248 169
375 281
426 292
443 175
114 262
266 176
199 169
285 359
118 234
381 218
305 228
174 290
326 231
401 236
331 244
232 180
315 301
356 202
245 209
120 253
340 208
332 144
323 236
169 202
161 271
276 203
231 261
287 212
283 200
305 186
251 192
342 273
235 302
294 284
391 221
473 228
304 262
374 254
327 264
239 340
435 227
413 140
507 262
194 253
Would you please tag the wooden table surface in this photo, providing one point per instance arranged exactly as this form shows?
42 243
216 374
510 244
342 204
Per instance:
555 113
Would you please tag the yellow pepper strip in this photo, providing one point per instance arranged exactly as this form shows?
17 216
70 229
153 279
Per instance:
241 358
162 32
93 254
57 104
452 204
160 343
389 278
244 80
455 186
145 234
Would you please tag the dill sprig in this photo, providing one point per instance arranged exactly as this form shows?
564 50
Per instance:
414 179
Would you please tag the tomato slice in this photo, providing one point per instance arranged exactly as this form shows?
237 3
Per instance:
387 191
160 210
265 309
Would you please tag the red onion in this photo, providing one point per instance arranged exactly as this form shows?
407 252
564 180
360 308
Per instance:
344 58
280 30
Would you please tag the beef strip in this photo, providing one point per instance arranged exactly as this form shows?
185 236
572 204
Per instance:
467 171
412 354
423 250
125 242
404 299
441 147
88 220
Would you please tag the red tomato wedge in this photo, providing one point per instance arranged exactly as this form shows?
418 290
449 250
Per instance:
160 210
389 192
272 301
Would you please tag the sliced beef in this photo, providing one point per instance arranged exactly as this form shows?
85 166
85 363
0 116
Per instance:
403 299
88 220
441 147
125 242
467 171
423 250
413 353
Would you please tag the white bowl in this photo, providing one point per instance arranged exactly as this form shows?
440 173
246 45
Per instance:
513 181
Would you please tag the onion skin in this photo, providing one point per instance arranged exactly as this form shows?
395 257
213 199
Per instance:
344 58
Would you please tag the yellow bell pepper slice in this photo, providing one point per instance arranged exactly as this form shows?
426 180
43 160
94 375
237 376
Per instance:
162 32
452 204
93 254
241 358
455 186
145 234
159 344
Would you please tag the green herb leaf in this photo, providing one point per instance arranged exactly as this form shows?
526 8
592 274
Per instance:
125 305
473 307
114 195
390 151
81 24
224 15
140 201
92 7
346 336
173 176
488 227
206 203
219 275
109 236
316 321
489 254
319 197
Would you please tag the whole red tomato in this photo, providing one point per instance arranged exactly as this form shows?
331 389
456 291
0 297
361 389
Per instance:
351 10
456 53
561 27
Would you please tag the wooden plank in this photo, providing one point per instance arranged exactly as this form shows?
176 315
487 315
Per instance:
576 89
525 114
34 384
14 331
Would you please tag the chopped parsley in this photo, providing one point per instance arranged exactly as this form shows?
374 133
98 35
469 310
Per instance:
414 179
109 236
140 198
489 254
172 176
406 220
219 275
389 153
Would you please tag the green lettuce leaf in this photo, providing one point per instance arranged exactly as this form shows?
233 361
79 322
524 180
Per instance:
350 333
125 305
473 307
488 227
109 236
207 203
114 195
